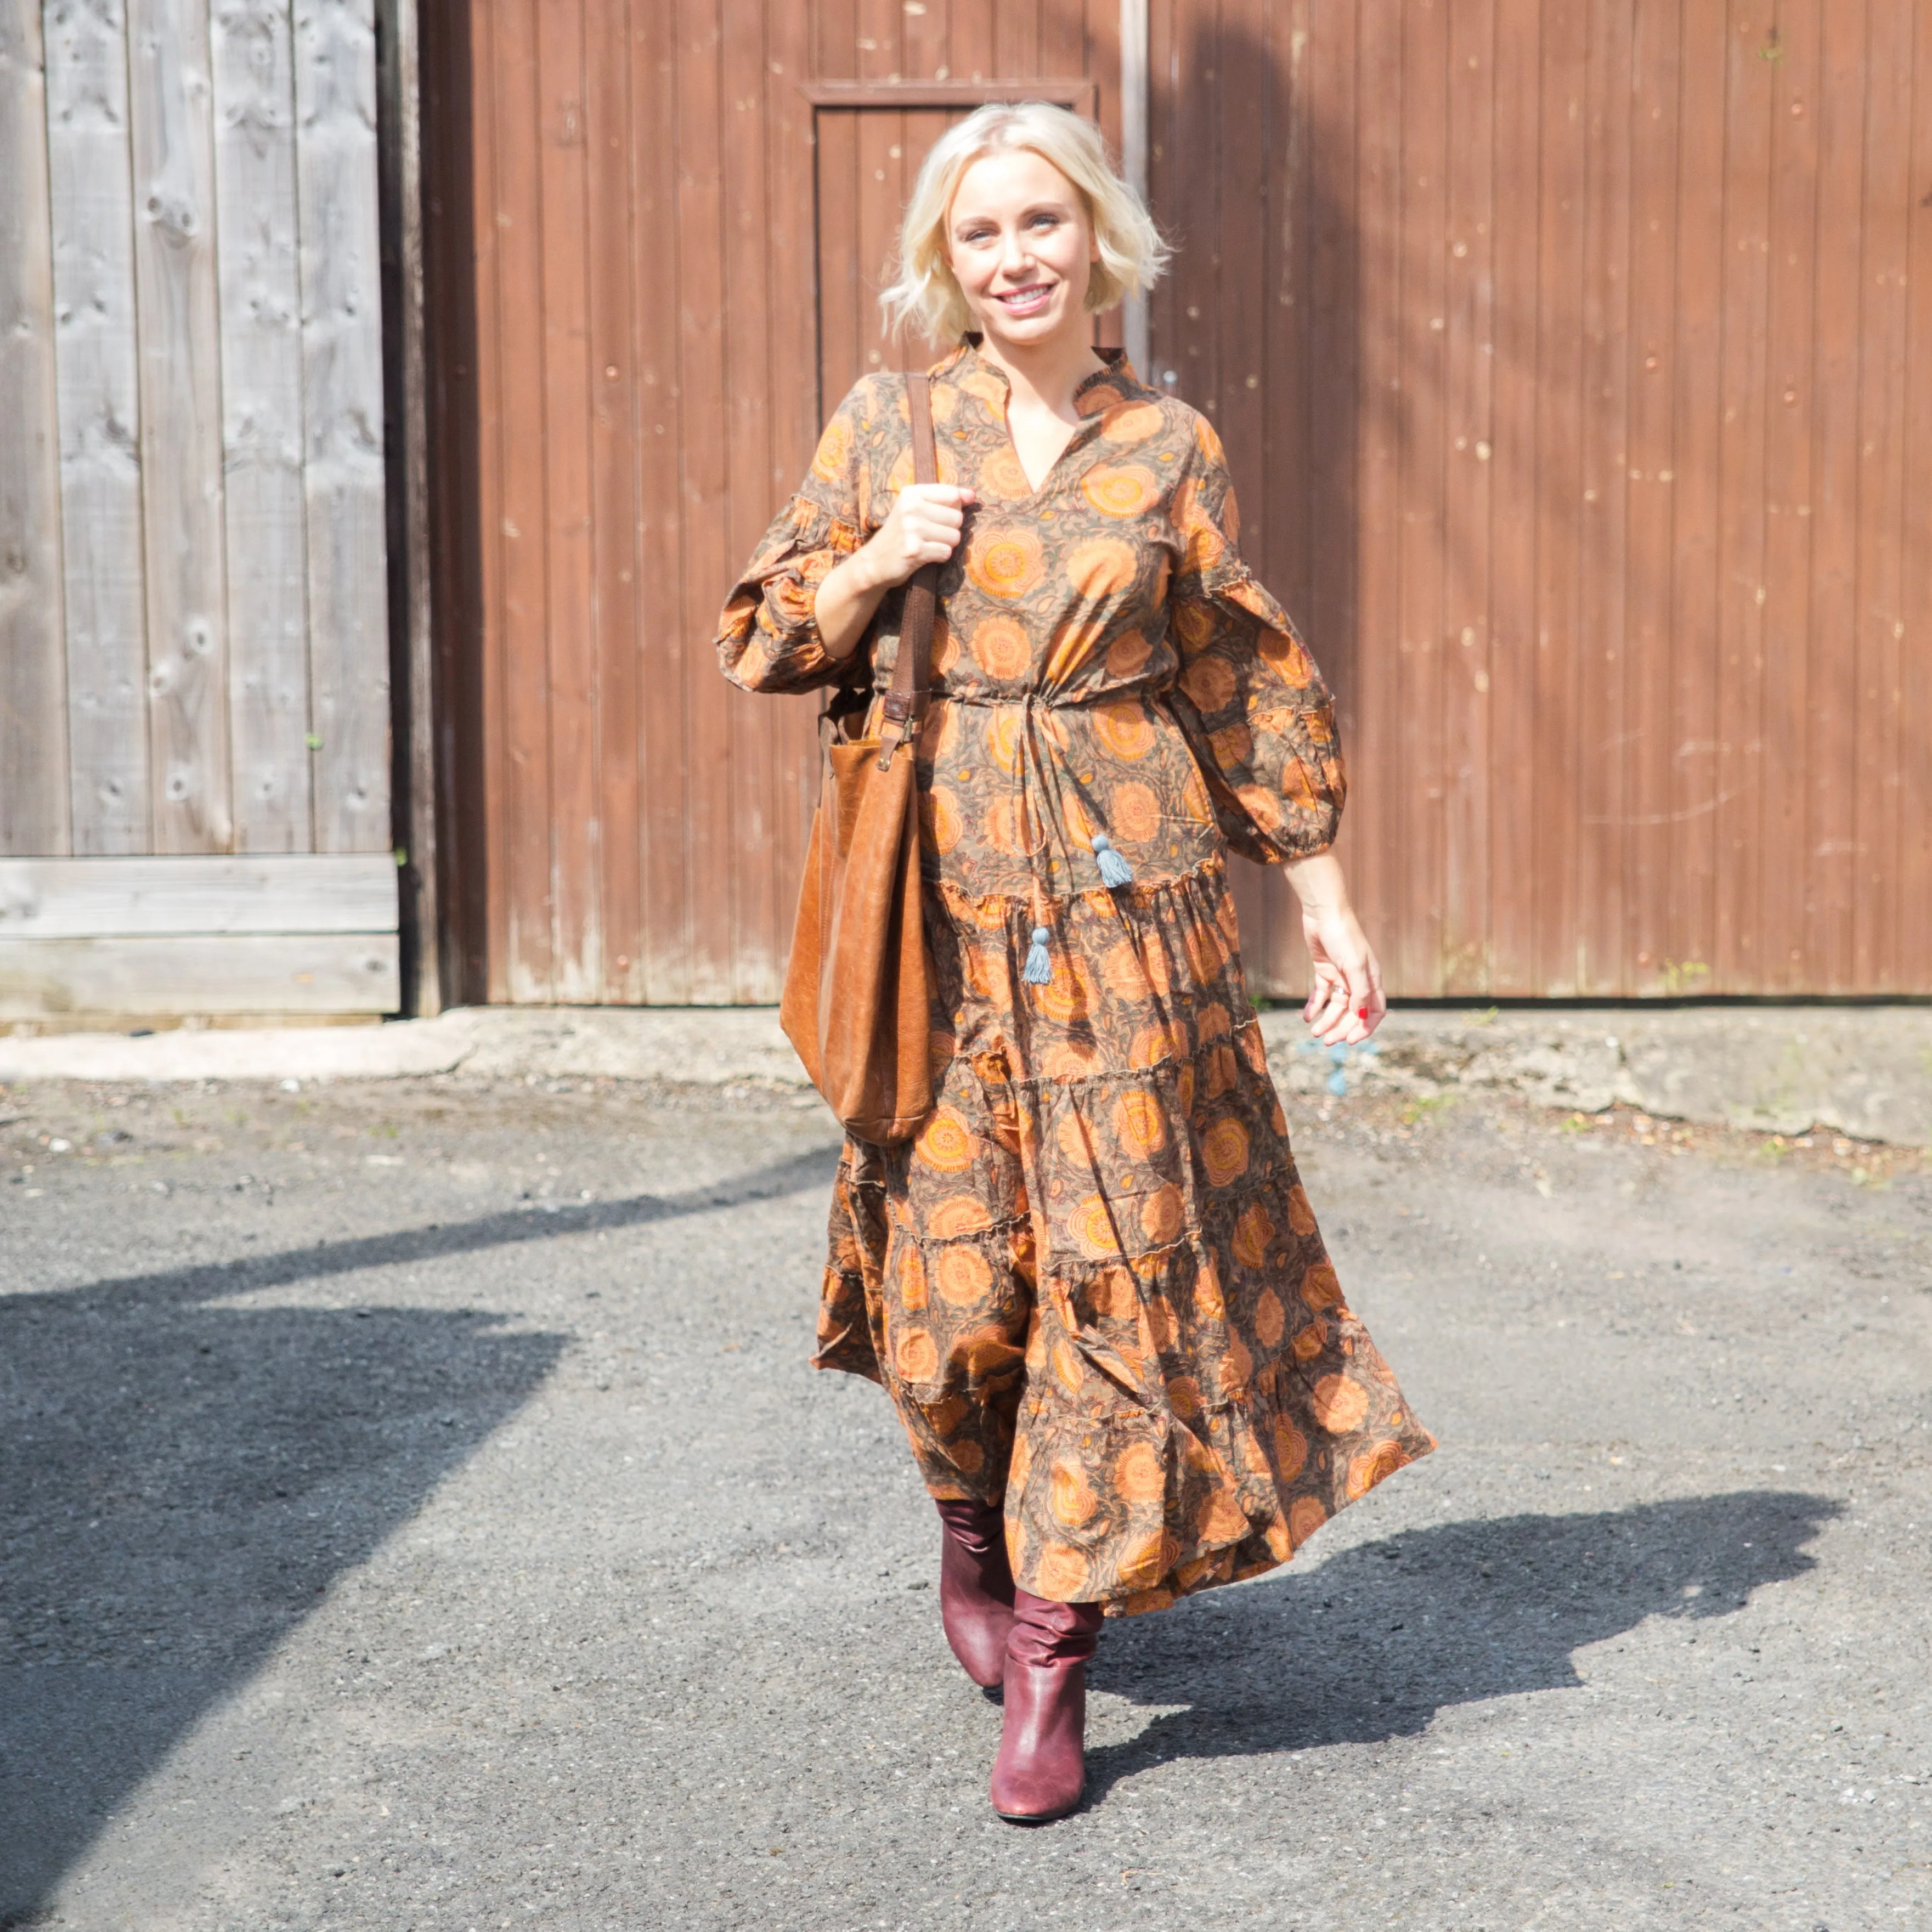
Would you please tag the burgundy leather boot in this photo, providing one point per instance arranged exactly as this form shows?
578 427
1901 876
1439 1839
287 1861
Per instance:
1042 1769
976 1588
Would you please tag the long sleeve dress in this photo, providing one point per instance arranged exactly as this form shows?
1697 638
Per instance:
1093 1284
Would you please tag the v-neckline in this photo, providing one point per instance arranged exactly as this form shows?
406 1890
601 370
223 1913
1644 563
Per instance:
1034 490
1112 361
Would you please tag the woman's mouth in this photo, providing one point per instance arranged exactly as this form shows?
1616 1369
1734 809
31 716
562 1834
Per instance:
1029 300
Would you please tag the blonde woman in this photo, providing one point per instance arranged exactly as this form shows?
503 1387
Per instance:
1093 1284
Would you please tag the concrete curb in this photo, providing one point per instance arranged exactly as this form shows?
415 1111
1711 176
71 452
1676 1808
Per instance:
1866 1072
705 1046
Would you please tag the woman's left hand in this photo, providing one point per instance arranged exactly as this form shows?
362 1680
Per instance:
1346 1004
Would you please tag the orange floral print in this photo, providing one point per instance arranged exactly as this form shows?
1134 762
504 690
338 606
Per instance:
1002 647
1130 490
1006 561
1125 729
1093 1283
1103 567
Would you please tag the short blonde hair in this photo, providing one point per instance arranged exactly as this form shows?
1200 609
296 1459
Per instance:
1132 252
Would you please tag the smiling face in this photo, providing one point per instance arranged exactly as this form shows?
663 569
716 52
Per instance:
1021 248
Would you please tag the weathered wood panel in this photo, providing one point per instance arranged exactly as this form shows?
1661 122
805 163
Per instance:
33 815
261 422
100 417
294 892
171 120
177 542
342 396
43 979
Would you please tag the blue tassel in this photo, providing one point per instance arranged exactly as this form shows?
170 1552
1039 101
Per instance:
1114 870
1039 969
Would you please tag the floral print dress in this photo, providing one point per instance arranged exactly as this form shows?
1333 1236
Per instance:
1093 1284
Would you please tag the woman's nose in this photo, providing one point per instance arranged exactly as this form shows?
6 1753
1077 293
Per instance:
1015 257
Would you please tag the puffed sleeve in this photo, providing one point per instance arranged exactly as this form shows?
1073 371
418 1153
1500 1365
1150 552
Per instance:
1249 699
768 637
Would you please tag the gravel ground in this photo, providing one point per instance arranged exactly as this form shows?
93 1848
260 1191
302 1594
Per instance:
416 1511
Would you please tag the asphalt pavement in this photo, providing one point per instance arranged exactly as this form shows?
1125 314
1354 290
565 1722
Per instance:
416 1512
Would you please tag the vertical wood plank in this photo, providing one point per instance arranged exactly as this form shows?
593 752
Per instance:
1790 453
657 296
171 120
1062 37
34 779
89 161
843 330
1650 827
1914 875
1563 178
1242 264
1602 639
1324 409
342 385
1832 752
969 48
253 67
921 38
1424 327
1096 50
1379 801
522 859
1271 378
757 946
489 221
570 655
1737 964
1323 484
706 563
1696 441
1516 83
1247 263
1015 37
792 363
1878 964
609 132
1468 246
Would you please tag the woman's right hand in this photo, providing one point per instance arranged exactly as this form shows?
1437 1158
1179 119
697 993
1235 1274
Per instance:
923 527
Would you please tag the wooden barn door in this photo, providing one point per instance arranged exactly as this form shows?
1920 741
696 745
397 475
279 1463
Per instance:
664 200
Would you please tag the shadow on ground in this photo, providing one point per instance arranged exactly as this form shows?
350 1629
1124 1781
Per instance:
1371 1646
181 1480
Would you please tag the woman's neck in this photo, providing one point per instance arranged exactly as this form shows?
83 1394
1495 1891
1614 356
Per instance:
1046 374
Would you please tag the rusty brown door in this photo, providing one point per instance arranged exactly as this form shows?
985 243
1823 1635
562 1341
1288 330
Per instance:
647 208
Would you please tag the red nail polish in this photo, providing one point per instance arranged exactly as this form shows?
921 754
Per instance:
1361 1012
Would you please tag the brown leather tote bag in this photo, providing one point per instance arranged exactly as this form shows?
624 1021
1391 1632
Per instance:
858 982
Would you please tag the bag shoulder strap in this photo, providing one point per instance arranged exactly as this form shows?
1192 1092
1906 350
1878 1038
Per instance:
912 671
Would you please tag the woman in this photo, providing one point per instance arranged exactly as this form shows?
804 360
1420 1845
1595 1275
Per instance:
1093 1284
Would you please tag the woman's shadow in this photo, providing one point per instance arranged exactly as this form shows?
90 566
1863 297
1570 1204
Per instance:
1371 1645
